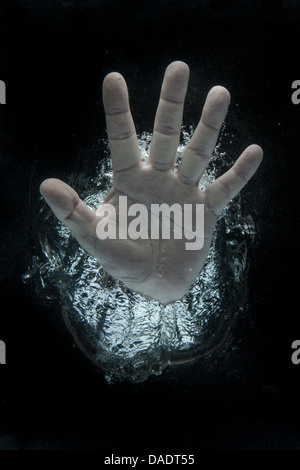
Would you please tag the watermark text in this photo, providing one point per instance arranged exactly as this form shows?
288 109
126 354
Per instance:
296 94
2 92
160 221
2 352
151 459
296 354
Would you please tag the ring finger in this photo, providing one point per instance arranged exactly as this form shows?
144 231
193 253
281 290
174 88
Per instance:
204 139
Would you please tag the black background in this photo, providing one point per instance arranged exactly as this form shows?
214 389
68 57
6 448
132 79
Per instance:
54 56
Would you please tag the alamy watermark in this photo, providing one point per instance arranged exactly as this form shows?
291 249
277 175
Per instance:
2 352
163 221
2 92
296 94
296 354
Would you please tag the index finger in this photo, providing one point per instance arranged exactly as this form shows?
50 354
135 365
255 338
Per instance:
124 147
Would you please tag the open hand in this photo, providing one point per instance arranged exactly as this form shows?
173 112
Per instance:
161 268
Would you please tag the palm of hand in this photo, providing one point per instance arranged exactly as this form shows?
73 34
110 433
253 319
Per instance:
150 265
158 268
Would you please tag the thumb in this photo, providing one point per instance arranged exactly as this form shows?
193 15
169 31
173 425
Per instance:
68 207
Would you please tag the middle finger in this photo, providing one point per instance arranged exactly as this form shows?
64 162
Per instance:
168 119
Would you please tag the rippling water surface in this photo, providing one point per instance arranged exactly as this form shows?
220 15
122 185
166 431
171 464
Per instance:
125 334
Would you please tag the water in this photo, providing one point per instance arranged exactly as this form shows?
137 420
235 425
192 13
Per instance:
122 332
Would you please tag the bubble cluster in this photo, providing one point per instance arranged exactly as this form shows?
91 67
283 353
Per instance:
127 335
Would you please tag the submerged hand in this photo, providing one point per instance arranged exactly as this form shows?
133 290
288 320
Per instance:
161 268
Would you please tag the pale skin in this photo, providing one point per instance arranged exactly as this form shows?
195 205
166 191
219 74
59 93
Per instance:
159 269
